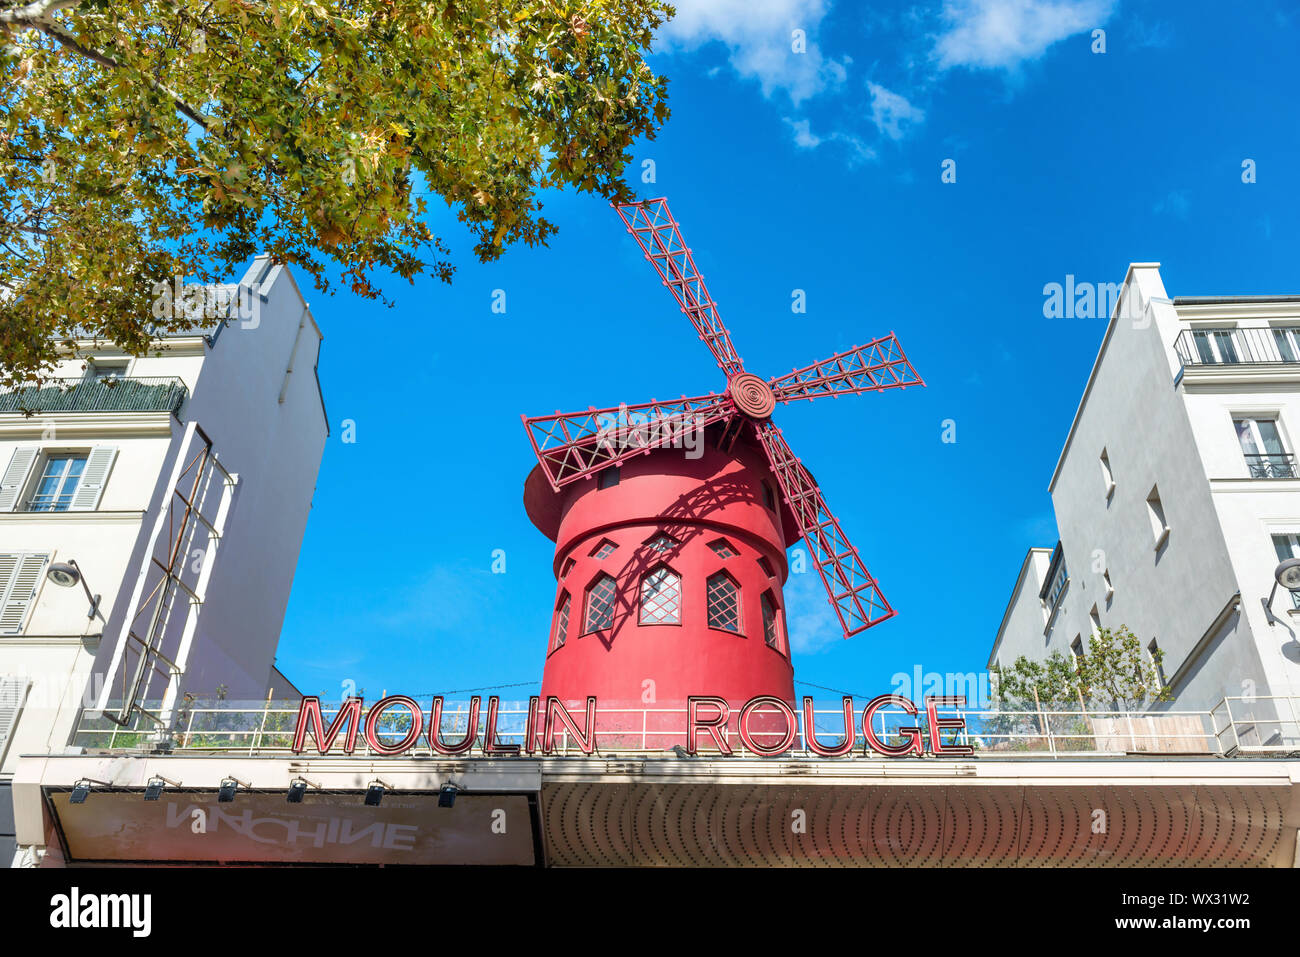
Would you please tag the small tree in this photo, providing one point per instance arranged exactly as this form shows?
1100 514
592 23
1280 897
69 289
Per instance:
1116 673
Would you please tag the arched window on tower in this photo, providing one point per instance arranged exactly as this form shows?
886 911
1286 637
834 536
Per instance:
600 605
661 597
771 621
724 602
561 622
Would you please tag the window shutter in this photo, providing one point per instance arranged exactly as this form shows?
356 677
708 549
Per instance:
15 476
91 487
13 691
19 575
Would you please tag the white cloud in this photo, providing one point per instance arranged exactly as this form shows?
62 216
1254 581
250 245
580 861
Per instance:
891 112
1001 34
806 139
760 37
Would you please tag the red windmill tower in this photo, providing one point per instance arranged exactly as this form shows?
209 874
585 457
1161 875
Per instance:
672 519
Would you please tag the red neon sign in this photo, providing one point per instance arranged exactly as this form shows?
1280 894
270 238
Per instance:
707 717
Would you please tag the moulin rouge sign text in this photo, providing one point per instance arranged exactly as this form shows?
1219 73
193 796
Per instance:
706 717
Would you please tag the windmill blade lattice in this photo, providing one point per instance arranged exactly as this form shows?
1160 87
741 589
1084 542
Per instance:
853 592
575 446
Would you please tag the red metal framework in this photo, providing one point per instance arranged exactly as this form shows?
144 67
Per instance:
575 446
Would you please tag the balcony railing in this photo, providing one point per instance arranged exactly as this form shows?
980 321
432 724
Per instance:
1227 346
156 394
1277 466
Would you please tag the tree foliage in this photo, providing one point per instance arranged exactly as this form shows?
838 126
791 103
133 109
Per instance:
142 141
1115 672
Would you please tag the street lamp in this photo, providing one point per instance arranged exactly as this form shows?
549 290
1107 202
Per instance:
1287 574
66 575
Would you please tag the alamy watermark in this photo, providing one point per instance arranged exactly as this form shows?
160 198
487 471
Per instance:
177 299
643 430
974 686
1094 300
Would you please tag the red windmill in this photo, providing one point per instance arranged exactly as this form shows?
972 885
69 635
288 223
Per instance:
647 535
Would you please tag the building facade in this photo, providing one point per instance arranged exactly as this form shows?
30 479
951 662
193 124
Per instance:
176 487
1176 494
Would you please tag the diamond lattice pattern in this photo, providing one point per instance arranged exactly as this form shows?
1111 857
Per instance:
600 605
724 603
661 597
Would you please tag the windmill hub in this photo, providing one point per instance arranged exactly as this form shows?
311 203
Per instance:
752 395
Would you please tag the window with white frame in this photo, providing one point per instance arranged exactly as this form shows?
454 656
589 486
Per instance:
107 369
1216 346
1287 545
60 475
37 479
1058 584
1261 444
1287 340
20 576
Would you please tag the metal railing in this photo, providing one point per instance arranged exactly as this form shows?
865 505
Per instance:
1274 466
1257 725
113 394
1236 726
1229 345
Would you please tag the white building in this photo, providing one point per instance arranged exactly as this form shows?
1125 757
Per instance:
1175 495
179 485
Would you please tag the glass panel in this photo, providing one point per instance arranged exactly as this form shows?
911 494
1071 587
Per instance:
562 624
58 481
1203 348
1285 347
1285 546
1288 546
1246 436
600 605
769 622
1227 348
661 598
1268 432
724 603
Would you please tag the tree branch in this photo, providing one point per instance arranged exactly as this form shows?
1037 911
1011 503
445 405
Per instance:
61 36
34 14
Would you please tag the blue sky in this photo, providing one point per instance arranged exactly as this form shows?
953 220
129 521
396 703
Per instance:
818 171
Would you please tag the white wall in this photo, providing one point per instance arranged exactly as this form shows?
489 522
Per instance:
57 647
266 425
275 448
1158 432
1022 629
